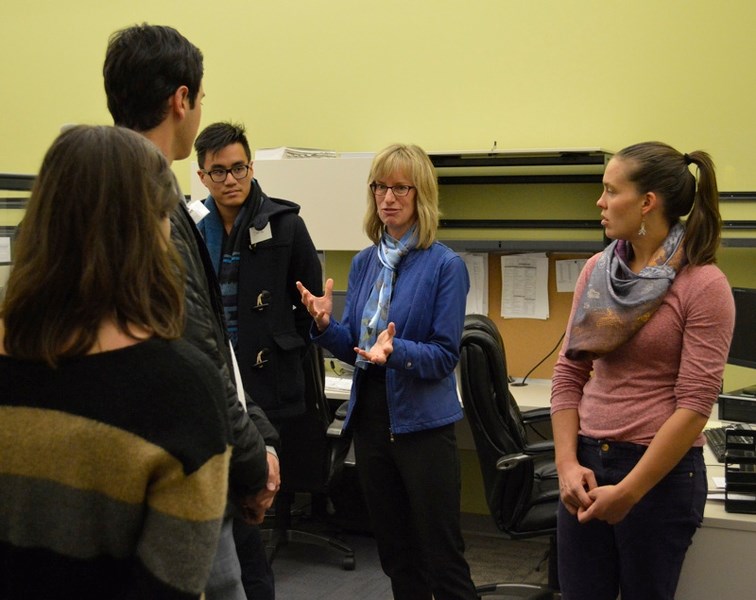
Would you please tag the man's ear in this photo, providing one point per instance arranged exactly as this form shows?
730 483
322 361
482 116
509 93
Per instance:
179 101
201 174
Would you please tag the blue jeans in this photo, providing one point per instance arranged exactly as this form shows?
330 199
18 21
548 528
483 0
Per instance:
642 555
225 576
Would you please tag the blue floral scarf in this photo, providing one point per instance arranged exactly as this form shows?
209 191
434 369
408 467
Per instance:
375 315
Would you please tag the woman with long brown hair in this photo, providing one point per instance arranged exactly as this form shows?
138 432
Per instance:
114 446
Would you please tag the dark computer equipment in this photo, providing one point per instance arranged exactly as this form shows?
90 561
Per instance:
740 405
716 438
339 301
743 347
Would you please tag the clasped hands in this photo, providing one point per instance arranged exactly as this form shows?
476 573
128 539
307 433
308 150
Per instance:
584 498
320 309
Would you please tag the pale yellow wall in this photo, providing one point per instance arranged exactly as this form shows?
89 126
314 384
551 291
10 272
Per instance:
354 75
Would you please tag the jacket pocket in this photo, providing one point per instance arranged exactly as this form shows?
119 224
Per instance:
288 341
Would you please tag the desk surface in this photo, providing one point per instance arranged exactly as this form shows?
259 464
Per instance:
537 394
338 379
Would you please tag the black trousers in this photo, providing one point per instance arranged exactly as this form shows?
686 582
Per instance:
412 491
257 575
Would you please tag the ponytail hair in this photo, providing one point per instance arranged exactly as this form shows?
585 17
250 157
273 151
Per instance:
659 168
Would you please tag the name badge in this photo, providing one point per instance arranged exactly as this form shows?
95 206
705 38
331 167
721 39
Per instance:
260 235
197 210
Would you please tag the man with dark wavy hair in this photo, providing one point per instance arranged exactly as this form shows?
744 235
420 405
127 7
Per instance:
153 82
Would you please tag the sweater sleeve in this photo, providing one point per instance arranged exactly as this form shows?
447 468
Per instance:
249 470
181 529
185 501
709 322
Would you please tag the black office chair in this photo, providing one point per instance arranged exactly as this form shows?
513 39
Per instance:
305 457
519 476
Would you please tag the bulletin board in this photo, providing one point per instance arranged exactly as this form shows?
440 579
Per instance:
527 341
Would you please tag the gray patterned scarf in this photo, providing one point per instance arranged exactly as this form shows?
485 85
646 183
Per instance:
616 302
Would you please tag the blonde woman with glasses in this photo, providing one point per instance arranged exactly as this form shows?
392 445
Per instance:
401 328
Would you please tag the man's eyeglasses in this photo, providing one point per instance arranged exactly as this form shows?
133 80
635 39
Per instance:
219 175
398 190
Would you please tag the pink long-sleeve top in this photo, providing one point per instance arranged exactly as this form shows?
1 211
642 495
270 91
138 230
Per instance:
676 360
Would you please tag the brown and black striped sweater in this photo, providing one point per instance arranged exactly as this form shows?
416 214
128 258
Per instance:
113 474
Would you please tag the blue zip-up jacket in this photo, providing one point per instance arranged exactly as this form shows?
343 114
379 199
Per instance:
428 309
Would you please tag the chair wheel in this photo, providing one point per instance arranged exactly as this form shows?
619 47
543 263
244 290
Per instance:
348 564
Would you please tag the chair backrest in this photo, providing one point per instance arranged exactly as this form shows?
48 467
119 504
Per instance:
495 420
305 449
314 373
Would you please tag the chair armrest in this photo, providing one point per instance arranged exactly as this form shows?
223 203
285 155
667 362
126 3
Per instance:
335 429
536 415
342 447
341 411
510 461
531 452
539 448
537 423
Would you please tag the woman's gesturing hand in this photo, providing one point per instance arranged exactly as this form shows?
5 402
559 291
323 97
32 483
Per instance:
319 307
382 348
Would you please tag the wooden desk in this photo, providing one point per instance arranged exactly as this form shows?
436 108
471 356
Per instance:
720 562
535 394
338 379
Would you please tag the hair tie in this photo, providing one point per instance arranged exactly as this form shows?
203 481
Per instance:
687 158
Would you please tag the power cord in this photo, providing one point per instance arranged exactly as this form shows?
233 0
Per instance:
340 369
522 383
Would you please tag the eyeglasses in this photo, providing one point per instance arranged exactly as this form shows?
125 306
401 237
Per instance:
398 190
219 175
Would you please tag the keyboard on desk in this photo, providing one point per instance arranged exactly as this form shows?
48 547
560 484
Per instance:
715 437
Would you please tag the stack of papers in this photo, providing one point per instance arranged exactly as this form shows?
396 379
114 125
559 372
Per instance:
718 493
343 384
290 152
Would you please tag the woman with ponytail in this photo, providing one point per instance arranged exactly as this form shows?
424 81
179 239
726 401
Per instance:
639 372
